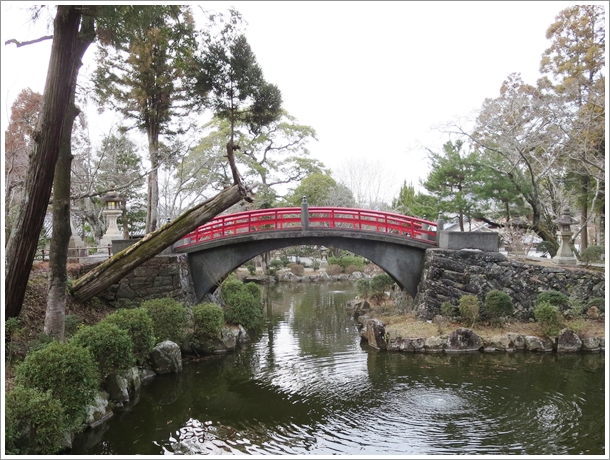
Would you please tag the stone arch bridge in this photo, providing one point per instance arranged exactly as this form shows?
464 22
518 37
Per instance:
395 242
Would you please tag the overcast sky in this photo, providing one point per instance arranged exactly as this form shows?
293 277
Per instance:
374 79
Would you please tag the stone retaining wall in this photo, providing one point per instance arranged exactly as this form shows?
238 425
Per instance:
161 276
450 274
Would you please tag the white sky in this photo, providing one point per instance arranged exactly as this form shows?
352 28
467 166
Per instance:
373 79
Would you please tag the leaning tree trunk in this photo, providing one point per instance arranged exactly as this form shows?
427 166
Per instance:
23 241
115 268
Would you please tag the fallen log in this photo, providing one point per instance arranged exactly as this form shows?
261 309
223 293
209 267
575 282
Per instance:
109 272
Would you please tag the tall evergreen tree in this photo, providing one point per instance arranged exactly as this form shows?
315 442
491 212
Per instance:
451 180
230 82
143 78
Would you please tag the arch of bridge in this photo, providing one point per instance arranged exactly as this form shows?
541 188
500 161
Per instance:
402 258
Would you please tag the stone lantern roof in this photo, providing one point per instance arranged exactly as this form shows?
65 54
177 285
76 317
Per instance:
566 219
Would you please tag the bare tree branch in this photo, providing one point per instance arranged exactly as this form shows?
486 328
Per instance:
29 42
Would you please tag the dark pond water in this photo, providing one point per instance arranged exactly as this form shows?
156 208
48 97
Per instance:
308 386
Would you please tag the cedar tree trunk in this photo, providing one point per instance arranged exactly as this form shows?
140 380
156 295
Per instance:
23 242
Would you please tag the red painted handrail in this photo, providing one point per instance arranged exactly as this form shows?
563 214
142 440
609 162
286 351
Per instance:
261 220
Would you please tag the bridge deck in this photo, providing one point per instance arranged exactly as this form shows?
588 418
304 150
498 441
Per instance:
314 218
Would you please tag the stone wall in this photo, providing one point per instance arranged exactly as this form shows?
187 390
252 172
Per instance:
450 274
161 276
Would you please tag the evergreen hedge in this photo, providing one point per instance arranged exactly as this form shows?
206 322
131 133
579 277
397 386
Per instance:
169 319
110 346
69 372
139 325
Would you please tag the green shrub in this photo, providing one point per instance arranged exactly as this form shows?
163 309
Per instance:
553 297
109 345
35 422
547 248
364 287
139 327
208 320
593 254
11 326
284 259
381 282
598 302
469 308
41 341
276 264
72 322
251 267
253 289
498 304
351 269
346 261
69 372
549 317
334 269
448 310
241 306
168 317
316 265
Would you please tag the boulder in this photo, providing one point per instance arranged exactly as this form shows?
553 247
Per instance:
373 331
166 358
590 344
568 341
464 339
98 411
498 343
535 343
435 344
123 385
233 335
356 276
407 344
517 340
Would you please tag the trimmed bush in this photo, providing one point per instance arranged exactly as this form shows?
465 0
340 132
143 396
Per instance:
208 320
253 289
381 283
168 317
334 269
364 287
276 264
69 372
346 261
469 308
297 269
251 267
109 345
593 254
35 422
351 269
139 326
241 306
549 317
554 298
497 305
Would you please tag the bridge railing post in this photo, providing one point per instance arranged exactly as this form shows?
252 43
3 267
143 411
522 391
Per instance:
304 214
439 227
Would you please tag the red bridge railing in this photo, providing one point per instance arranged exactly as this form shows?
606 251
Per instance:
274 219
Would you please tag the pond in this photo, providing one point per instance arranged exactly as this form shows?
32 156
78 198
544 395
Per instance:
307 385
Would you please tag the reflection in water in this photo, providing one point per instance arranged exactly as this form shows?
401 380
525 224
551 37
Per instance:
308 386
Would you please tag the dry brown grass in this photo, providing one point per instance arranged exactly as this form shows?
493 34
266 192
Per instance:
408 326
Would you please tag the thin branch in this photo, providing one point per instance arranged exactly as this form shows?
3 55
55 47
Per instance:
29 42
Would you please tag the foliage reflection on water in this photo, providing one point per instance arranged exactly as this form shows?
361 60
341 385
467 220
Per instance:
308 386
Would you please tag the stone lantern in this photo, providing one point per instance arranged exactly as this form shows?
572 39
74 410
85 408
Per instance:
113 208
564 255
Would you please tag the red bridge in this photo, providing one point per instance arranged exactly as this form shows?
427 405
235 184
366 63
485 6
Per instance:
322 218
395 242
